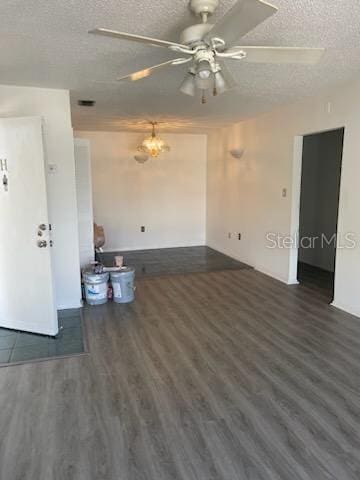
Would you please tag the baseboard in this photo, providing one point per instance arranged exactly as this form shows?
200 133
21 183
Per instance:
69 307
267 272
226 252
346 308
154 247
258 268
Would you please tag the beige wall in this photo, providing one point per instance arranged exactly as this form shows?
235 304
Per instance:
167 194
246 195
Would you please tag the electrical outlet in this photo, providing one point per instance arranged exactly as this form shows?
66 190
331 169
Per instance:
284 192
229 235
239 236
142 229
52 168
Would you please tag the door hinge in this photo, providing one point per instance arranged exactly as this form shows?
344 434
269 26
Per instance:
3 165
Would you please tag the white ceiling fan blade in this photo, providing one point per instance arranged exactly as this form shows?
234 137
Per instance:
148 71
136 38
279 55
243 17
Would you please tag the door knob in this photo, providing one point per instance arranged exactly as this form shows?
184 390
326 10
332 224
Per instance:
42 243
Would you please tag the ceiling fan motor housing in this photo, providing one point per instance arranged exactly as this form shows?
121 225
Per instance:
193 36
204 6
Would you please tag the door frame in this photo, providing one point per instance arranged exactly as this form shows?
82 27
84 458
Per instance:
296 198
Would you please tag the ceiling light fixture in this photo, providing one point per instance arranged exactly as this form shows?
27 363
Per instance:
220 84
153 145
237 153
208 47
141 157
205 81
188 85
206 75
204 70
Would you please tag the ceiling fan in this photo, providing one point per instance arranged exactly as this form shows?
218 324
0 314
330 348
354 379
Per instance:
206 47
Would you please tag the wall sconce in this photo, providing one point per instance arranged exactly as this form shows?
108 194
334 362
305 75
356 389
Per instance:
141 157
237 153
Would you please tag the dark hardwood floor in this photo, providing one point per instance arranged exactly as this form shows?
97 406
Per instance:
225 375
317 279
173 261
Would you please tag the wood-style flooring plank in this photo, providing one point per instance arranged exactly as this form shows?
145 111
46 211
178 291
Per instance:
211 376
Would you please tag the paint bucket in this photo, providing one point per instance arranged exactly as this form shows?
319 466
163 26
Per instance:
96 287
123 283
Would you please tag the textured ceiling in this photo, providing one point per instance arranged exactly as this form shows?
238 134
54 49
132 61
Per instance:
45 43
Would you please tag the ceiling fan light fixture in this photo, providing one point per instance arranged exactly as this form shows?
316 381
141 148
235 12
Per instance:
188 86
220 83
208 47
204 70
204 83
204 77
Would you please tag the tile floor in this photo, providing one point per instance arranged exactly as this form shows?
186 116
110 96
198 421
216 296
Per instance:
20 346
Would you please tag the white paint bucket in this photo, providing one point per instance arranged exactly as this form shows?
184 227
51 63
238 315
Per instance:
123 285
96 287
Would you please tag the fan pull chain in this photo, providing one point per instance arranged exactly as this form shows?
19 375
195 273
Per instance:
203 98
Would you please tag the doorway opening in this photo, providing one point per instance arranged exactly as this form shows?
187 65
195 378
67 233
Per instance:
319 206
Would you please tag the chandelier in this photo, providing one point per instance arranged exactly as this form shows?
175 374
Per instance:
153 145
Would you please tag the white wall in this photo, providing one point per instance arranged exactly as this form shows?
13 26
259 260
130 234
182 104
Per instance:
54 107
246 195
84 201
166 194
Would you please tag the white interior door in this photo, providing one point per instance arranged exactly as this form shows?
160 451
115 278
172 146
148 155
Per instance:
26 283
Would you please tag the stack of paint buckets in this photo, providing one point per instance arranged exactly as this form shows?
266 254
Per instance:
96 284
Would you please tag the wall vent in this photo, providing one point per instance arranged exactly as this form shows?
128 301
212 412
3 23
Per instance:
86 103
